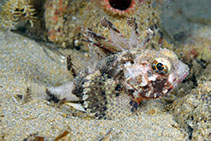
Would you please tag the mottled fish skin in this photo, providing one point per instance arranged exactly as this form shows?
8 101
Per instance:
128 73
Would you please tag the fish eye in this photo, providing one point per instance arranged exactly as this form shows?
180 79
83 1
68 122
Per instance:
161 66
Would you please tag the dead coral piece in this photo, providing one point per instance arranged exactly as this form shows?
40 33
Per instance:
14 11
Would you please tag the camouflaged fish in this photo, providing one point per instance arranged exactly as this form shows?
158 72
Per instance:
127 74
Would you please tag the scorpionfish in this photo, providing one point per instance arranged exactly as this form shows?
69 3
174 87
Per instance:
127 73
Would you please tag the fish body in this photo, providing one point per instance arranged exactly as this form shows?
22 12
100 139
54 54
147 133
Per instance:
128 73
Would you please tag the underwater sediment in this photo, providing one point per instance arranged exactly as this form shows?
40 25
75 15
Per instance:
192 107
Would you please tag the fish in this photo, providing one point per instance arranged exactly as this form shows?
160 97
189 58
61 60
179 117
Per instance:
128 72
